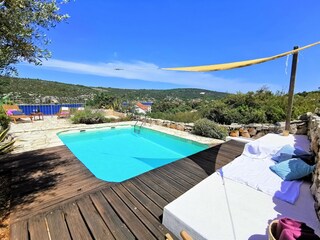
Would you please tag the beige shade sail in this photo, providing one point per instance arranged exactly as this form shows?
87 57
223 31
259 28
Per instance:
226 66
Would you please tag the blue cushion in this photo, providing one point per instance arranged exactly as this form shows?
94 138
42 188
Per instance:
17 112
288 152
292 169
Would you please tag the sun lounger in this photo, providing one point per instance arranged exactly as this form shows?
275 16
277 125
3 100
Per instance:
222 208
64 112
14 112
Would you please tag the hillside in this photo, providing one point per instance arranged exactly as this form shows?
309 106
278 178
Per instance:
35 88
152 94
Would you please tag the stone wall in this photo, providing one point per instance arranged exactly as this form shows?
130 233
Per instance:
257 130
187 127
314 136
254 130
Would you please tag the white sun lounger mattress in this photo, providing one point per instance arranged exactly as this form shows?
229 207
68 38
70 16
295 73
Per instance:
211 210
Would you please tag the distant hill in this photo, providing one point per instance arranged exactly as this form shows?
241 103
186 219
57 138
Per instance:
152 94
23 88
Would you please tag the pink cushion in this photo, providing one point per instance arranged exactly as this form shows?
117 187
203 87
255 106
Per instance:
9 112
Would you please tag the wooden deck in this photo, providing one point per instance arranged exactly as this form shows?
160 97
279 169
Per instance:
65 201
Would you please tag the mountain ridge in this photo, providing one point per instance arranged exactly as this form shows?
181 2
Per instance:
32 88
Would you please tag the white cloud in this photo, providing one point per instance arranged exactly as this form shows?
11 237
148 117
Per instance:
145 71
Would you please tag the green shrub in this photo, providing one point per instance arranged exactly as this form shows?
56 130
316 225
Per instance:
6 142
88 116
207 128
186 117
4 121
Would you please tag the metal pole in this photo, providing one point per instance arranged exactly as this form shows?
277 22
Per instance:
291 88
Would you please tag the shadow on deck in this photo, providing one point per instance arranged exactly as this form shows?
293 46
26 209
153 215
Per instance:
54 196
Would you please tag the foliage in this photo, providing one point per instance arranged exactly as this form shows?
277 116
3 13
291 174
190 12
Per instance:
207 128
35 88
88 116
23 27
170 94
186 117
104 100
261 106
6 142
4 119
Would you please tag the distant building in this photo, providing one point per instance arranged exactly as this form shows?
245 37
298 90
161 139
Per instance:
141 108
203 93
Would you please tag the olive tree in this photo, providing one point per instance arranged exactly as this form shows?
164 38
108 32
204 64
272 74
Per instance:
23 27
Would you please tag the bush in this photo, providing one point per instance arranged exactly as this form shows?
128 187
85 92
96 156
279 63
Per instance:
6 142
207 128
88 116
186 117
4 121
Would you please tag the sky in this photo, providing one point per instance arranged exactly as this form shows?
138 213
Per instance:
125 43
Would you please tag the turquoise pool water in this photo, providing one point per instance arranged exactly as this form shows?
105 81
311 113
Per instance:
117 154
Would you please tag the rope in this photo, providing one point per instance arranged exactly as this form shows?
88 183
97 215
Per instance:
227 200
286 68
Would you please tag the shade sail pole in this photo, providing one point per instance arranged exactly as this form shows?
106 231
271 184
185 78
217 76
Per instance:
291 88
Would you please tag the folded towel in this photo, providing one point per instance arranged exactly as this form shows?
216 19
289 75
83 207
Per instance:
289 229
288 234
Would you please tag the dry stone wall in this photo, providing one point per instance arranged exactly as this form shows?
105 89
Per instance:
314 136
254 130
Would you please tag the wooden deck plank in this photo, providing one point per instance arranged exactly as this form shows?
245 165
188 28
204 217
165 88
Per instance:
176 176
156 188
118 229
87 208
191 175
75 222
125 213
182 186
44 178
154 196
164 184
142 198
150 221
190 166
38 228
55 220
93 219
19 231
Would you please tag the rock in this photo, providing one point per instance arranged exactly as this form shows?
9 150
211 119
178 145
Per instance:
293 128
258 126
235 126
280 124
259 135
252 131
305 116
302 129
317 111
315 144
245 134
234 133
180 127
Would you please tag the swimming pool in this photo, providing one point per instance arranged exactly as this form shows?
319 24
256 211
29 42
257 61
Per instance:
117 154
